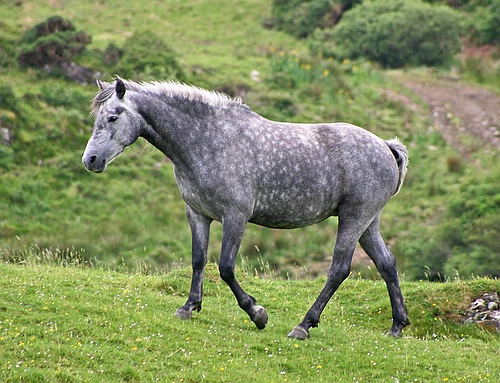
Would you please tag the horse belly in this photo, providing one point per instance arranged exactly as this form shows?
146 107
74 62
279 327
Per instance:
289 209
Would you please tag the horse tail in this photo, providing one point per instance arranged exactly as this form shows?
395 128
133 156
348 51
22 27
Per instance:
401 155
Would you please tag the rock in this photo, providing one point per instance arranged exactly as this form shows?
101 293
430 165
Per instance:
478 305
255 76
5 136
485 311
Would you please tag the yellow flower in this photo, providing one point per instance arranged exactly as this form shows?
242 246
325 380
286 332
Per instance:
326 72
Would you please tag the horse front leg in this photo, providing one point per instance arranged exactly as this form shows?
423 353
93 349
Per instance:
233 227
200 232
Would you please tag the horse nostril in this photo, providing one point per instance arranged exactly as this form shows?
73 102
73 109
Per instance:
92 159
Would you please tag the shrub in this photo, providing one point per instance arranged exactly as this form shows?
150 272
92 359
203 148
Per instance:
112 54
146 56
301 17
399 33
51 43
484 24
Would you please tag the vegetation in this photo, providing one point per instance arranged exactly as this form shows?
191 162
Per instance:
137 61
484 23
52 42
301 18
81 324
397 34
133 214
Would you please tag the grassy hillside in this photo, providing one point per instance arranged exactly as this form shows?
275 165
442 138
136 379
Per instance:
81 324
133 213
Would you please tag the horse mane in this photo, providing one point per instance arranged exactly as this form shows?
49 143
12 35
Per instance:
168 88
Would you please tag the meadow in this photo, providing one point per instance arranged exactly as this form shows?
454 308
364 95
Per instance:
76 323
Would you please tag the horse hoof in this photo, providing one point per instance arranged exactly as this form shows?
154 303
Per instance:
183 314
261 317
395 333
299 333
396 329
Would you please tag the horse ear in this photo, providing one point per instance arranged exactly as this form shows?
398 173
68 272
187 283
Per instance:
99 83
120 88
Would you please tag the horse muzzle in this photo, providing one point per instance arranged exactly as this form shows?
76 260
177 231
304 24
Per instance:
94 163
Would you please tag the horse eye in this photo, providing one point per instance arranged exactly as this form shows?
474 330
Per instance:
112 118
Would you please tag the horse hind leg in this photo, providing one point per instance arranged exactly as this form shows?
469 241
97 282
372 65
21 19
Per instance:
372 243
347 237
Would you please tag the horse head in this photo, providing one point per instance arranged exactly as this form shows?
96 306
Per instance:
117 125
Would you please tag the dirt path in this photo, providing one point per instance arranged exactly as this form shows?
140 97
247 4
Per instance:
468 116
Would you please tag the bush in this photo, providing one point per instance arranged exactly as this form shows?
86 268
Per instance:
51 43
399 33
484 25
301 17
147 57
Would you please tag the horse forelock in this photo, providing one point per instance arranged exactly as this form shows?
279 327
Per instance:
168 88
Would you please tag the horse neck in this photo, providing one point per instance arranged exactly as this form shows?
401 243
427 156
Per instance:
173 124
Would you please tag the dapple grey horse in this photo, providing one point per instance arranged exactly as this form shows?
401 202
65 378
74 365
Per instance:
235 166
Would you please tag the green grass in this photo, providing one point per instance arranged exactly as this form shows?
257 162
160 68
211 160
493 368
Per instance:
81 324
